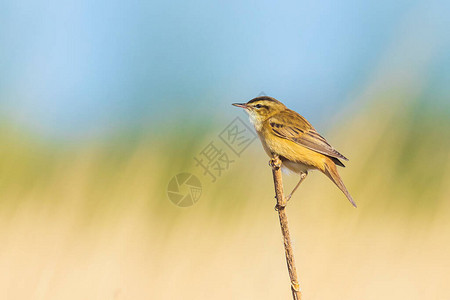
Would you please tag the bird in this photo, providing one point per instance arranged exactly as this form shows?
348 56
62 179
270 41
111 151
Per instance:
297 143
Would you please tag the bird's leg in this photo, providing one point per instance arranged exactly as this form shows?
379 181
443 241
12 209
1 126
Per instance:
302 177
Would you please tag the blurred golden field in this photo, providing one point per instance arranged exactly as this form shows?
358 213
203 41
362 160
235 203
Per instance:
94 221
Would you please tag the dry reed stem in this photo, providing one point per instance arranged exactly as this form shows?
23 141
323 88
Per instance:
280 207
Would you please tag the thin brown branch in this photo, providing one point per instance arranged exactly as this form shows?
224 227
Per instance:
281 206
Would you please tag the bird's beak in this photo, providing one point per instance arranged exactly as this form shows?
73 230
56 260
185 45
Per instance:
243 105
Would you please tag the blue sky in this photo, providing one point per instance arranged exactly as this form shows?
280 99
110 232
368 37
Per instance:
70 68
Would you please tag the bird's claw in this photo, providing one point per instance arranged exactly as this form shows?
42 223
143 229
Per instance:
275 163
278 207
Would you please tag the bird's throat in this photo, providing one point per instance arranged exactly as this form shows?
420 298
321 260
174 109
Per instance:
256 121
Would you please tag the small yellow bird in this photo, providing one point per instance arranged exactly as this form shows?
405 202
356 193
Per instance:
286 133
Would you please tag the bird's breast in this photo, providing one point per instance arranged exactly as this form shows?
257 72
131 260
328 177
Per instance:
295 157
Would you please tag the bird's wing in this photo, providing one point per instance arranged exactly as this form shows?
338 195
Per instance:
291 126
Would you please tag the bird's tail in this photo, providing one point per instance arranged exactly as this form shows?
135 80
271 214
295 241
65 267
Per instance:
331 171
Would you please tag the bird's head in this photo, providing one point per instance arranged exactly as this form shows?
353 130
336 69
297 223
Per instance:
261 108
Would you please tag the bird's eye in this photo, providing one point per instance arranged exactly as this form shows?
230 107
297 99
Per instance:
258 105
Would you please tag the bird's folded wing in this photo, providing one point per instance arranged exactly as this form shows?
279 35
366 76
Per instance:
291 126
